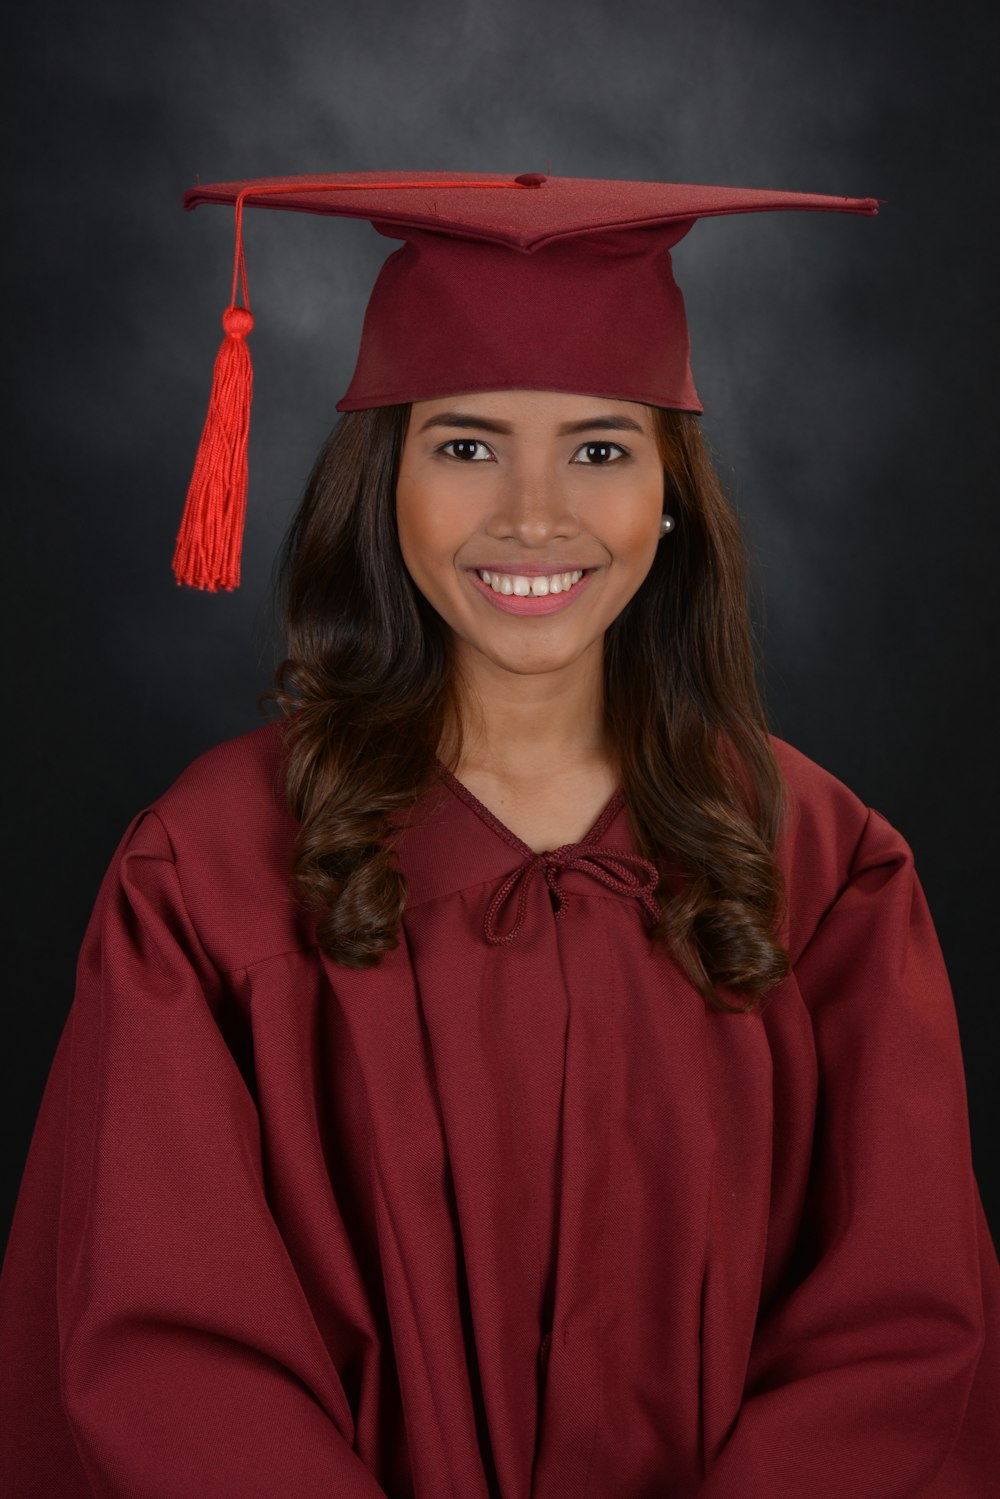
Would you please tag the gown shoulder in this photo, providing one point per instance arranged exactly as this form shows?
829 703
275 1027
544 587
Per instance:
226 826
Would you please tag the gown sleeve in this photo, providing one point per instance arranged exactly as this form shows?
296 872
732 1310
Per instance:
167 1346
862 1364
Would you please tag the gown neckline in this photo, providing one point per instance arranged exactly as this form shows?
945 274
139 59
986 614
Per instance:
594 834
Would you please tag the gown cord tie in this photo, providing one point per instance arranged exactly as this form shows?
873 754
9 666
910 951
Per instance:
620 871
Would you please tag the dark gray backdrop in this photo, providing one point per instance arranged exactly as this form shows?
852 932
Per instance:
847 366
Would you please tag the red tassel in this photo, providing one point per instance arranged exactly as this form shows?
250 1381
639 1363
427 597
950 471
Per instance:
210 539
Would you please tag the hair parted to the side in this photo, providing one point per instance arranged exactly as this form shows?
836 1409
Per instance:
368 687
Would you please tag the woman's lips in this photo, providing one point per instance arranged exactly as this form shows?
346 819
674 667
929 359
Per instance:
512 603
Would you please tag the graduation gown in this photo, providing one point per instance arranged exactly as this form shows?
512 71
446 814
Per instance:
512 1213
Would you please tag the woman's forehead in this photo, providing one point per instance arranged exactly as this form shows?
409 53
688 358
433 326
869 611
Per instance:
529 408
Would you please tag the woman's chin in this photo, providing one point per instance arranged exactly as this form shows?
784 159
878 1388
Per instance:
535 658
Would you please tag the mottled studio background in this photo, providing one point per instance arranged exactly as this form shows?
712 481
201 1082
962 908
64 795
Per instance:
848 368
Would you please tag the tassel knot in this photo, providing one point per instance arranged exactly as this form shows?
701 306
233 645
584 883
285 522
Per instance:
237 321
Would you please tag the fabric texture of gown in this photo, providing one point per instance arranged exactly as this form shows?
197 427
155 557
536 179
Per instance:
512 1213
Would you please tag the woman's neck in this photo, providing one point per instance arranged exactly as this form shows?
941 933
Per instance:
526 727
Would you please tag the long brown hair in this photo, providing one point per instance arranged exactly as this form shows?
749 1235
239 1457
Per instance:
368 686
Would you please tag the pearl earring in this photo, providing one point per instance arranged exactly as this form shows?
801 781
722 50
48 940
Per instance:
666 525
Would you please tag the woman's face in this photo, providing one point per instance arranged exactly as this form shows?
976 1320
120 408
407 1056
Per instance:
529 486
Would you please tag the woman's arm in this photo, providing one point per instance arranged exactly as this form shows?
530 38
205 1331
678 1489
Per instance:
862 1367
188 1358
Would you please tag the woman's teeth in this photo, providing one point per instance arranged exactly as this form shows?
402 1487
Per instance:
537 587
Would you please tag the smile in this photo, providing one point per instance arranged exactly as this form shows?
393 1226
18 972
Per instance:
538 587
542 593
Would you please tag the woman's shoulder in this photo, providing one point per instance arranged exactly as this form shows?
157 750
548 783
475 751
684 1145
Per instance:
820 806
226 826
238 778
817 797
829 833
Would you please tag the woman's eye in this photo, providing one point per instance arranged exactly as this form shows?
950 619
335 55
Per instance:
599 453
467 443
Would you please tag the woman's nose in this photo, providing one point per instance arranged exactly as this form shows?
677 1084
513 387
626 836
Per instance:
533 508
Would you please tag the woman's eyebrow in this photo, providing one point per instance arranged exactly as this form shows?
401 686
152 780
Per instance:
485 424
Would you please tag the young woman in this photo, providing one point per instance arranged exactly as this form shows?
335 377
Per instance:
512 1071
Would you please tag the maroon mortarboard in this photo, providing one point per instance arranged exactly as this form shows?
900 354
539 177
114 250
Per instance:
528 282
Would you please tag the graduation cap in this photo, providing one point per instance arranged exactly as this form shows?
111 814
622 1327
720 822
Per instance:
529 282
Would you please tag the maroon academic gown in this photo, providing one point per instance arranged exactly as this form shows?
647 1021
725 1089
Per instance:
512 1213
